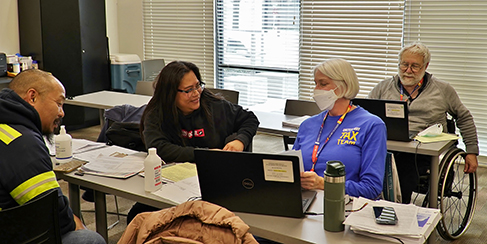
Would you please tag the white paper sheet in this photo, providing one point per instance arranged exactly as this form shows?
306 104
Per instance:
180 191
110 164
364 219
296 153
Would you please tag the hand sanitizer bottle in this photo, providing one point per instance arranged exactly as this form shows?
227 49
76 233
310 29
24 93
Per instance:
64 146
152 171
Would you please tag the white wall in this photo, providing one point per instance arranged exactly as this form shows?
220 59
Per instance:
112 25
124 26
130 27
9 27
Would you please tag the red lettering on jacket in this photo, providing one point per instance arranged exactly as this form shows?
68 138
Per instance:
199 133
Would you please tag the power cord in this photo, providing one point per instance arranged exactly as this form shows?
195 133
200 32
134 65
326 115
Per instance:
346 211
416 167
400 241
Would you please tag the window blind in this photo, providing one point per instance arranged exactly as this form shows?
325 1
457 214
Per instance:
180 30
455 32
365 33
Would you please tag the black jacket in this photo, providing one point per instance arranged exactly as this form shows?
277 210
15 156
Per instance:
198 132
25 163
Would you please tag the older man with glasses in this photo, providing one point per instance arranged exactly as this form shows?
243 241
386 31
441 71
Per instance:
429 100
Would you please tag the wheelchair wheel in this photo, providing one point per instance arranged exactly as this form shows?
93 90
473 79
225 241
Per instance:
457 195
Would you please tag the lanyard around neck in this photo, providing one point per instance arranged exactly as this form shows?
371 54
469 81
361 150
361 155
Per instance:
415 88
316 152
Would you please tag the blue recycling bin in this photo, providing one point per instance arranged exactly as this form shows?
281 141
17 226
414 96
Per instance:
126 71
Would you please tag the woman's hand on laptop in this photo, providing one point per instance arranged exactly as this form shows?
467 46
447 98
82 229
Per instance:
310 180
234 145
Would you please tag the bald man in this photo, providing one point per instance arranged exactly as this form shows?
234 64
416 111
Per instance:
31 107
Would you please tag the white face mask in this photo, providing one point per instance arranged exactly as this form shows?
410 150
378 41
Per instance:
325 99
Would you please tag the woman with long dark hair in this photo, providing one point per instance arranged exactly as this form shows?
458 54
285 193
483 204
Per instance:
183 115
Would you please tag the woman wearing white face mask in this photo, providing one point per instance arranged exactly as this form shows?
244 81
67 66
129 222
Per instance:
342 132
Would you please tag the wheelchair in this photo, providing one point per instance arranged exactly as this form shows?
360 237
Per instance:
457 194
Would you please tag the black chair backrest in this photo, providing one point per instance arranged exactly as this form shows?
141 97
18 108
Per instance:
125 134
120 113
36 221
301 107
229 95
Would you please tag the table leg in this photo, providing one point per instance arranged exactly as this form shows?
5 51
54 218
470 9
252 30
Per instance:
433 201
74 199
435 168
101 214
102 117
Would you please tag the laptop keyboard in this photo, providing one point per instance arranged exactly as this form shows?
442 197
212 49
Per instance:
305 201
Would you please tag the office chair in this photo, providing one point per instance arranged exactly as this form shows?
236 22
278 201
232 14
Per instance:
151 68
229 95
90 191
144 88
298 108
37 221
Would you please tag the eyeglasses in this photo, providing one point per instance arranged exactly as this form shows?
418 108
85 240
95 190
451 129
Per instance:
414 67
199 87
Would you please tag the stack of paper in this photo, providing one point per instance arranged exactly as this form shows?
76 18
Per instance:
414 224
442 137
184 185
181 191
82 145
296 122
179 171
117 165
79 146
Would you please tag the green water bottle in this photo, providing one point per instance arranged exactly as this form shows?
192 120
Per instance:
334 202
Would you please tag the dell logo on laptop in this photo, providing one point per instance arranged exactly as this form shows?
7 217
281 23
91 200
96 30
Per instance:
248 183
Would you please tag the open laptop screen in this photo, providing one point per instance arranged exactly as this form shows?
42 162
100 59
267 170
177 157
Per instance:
251 182
394 113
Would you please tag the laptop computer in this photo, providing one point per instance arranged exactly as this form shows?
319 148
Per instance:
252 182
394 113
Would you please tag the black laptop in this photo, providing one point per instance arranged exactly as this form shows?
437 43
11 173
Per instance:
394 113
252 182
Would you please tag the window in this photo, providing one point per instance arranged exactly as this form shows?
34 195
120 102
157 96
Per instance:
455 32
267 49
180 30
365 33
258 49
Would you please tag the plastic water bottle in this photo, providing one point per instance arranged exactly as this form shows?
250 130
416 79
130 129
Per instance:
64 146
16 67
334 202
152 171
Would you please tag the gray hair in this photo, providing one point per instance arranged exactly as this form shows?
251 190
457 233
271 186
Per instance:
343 74
417 48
